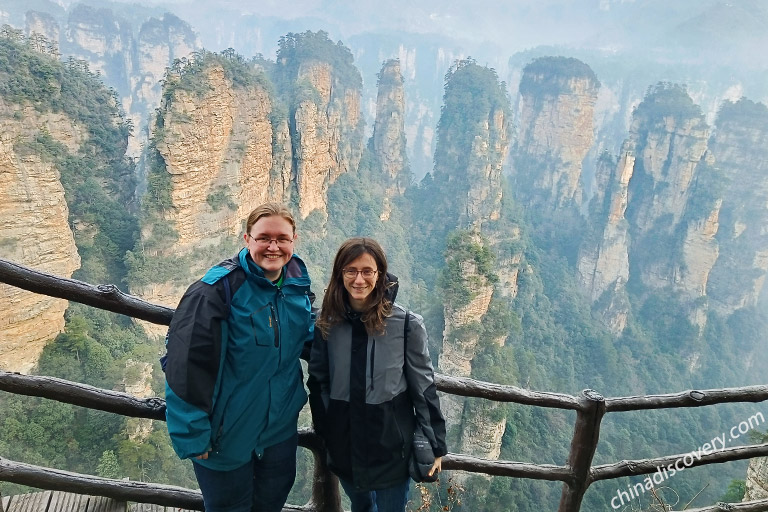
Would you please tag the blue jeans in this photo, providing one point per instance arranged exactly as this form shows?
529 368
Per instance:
391 499
261 485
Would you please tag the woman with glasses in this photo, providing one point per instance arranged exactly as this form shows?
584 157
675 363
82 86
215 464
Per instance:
374 383
233 380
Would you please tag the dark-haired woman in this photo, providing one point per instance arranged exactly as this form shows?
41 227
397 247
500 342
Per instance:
375 383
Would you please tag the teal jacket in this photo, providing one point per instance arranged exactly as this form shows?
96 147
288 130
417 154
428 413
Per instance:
234 384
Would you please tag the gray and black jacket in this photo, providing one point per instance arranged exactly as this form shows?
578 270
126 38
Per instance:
366 412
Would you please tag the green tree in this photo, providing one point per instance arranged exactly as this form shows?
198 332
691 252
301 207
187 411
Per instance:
108 466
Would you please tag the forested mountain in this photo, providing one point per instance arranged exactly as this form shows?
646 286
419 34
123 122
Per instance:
549 246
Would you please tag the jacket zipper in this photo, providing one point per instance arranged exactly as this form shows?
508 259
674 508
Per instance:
273 324
373 352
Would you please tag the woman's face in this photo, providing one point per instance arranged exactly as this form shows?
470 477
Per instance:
270 244
358 286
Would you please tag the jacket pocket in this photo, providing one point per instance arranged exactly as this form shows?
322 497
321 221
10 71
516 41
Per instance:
264 326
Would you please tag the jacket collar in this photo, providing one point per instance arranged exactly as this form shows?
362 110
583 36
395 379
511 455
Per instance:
295 271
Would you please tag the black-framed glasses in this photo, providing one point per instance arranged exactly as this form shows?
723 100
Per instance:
351 273
266 241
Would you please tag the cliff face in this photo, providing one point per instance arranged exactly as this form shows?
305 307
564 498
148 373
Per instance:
327 132
103 40
739 149
158 44
757 479
35 231
389 132
670 142
472 145
473 140
489 148
557 102
603 264
132 60
217 147
45 25
469 426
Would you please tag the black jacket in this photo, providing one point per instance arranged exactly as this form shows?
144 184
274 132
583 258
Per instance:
367 412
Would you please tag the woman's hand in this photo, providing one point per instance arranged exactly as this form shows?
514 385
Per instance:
436 466
202 457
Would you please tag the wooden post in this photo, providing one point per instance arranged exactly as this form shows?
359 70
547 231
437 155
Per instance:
325 485
586 433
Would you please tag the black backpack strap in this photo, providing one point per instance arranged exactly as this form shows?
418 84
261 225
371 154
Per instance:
405 331
228 294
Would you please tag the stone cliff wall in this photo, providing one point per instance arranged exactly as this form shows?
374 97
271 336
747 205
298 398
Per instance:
739 150
327 134
668 154
460 340
388 130
34 222
603 264
489 150
389 143
555 133
218 147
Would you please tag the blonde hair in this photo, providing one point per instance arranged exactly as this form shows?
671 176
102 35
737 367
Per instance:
269 210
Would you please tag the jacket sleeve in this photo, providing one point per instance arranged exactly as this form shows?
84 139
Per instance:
319 381
195 356
421 385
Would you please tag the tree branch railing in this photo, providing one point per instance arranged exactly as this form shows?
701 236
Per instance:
577 475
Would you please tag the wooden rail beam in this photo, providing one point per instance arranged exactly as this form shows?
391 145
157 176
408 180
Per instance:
683 460
464 386
747 506
586 434
506 468
103 296
58 480
690 398
83 395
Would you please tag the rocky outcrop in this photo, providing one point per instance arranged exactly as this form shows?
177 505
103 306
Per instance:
739 149
217 147
557 101
158 44
757 479
699 253
34 222
389 132
102 39
489 149
670 136
603 259
668 245
463 317
473 141
137 382
328 135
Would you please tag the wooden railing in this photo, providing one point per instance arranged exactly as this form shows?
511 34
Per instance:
577 475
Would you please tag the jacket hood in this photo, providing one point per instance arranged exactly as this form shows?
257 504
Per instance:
391 285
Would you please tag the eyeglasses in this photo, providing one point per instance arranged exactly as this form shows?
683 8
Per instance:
266 241
351 273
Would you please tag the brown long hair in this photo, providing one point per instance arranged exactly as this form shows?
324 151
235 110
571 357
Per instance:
378 306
